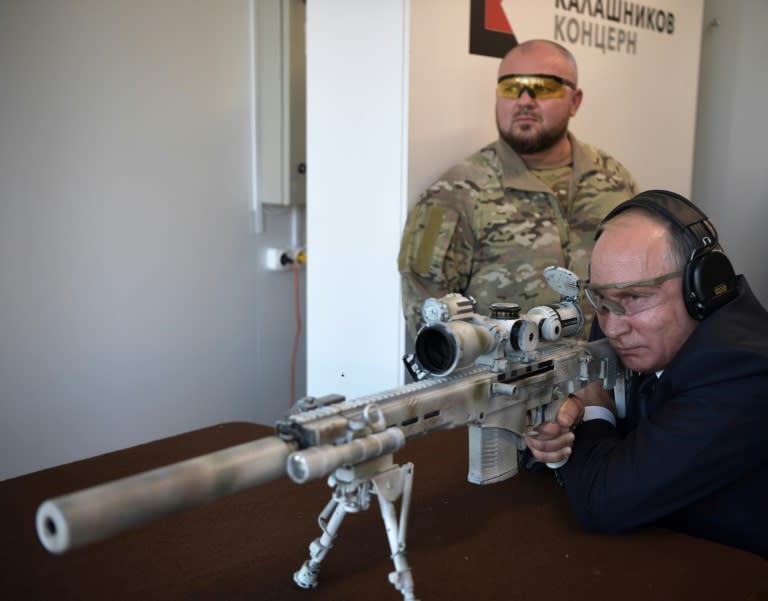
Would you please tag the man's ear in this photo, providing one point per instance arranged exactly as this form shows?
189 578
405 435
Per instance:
576 99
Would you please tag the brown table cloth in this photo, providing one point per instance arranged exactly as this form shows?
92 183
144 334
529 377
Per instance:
515 540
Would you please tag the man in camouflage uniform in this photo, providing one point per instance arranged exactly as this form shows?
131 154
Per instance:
490 225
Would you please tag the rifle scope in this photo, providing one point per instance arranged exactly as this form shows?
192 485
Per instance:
442 347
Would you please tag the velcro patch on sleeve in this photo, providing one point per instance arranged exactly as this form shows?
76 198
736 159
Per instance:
429 237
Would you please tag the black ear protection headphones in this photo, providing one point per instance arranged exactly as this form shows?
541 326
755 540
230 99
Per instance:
709 281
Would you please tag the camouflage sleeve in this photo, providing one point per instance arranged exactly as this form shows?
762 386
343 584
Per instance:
436 249
622 174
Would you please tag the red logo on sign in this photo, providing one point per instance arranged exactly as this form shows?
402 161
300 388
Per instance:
495 17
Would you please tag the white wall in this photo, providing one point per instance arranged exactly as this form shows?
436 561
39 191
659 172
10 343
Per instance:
730 176
356 157
452 93
133 300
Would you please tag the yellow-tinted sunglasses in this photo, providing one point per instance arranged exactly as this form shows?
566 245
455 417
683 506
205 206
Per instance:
538 85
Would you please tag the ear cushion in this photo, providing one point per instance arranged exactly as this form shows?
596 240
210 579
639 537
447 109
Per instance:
709 282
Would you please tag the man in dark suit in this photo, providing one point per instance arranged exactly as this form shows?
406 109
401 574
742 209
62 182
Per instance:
692 452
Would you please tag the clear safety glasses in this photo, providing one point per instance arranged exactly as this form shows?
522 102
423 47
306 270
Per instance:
629 298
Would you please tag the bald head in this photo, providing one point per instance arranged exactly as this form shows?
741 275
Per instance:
540 56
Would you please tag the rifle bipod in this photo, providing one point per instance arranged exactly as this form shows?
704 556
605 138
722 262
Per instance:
352 489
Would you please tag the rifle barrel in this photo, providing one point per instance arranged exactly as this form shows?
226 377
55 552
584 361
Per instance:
80 518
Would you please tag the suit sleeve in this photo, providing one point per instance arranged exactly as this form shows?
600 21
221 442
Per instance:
708 433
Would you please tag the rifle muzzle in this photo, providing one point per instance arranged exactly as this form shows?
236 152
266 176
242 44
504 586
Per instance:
96 513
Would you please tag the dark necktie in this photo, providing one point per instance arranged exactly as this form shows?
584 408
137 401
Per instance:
644 388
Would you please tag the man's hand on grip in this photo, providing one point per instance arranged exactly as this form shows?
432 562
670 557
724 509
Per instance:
551 442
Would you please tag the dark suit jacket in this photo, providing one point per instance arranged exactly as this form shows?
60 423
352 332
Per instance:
699 461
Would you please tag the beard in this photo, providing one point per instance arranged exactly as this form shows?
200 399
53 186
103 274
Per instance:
529 142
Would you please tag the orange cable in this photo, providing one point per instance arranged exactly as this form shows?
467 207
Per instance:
297 334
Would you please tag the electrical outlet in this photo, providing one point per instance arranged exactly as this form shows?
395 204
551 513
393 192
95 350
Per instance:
275 261
280 259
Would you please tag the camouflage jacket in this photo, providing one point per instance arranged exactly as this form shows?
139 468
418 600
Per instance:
488 227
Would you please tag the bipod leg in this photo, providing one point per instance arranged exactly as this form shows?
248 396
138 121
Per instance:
306 576
389 486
